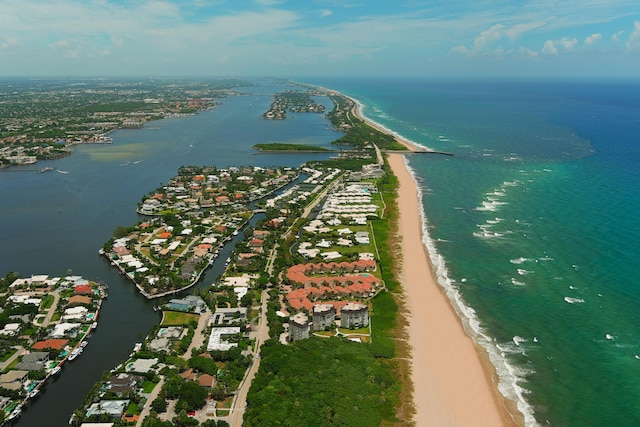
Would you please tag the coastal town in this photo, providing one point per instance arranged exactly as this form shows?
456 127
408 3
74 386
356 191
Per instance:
310 262
47 322
41 121
305 269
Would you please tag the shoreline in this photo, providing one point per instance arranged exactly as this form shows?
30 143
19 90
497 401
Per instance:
454 382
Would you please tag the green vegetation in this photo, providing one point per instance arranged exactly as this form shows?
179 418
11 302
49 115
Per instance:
178 318
277 146
321 382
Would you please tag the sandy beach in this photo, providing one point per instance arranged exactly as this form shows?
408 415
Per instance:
452 382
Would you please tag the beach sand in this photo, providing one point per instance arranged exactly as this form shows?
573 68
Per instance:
452 378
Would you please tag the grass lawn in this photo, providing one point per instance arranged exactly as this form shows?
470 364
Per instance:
148 386
178 318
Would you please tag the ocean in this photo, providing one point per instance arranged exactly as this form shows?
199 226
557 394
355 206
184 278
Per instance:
533 228
532 225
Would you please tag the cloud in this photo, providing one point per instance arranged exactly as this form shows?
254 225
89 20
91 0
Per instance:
8 42
634 39
615 37
523 51
267 2
551 47
593 38
487 37
519 29
325 12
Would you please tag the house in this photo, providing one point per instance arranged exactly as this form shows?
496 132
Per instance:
124 383
298 327
50 344
225 316
113 408
14 379
10 329
79 300
188 303
216 339
62 329
354 315
34 361
142 365
206 380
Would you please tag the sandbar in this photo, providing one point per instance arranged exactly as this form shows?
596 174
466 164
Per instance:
453 383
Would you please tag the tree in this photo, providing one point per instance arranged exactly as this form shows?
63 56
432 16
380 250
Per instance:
159 404
193 395
120 231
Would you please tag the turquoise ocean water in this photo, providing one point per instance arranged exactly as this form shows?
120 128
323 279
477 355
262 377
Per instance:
533 228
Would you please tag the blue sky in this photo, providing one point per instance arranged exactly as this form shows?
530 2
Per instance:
568 38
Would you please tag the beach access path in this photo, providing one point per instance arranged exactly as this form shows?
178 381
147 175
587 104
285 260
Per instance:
452 382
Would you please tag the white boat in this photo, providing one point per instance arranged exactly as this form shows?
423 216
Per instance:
235 232
75 353
61 171
56 370
34 393
15 413
83 344
47 169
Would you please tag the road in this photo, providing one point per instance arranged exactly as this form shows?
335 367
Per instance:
240 399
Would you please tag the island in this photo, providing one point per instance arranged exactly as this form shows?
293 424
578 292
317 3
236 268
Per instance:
278 147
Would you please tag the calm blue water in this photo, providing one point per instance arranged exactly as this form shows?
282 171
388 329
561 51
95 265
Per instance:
534 227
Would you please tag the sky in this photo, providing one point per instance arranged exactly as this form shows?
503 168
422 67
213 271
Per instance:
291 38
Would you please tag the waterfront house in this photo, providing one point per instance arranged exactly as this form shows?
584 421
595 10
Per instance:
14 379
113 408
188 303
123 383
33 361
50 344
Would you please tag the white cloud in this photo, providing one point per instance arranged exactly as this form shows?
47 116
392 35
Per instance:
519 29
634 39
567 44
616 36
592 38
7 42
527 52
325 12
268 2
549 48
461 50
487 37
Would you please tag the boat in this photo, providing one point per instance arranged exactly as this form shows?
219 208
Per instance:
34 393
56 370
61 171
75 353
15 413
83 344
235 232
47 169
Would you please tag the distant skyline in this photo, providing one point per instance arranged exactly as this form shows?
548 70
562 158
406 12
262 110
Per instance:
483 38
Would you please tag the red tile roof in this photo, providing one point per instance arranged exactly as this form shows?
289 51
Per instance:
53 344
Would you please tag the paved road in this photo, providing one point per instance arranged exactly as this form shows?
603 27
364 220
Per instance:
198 336
240 399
